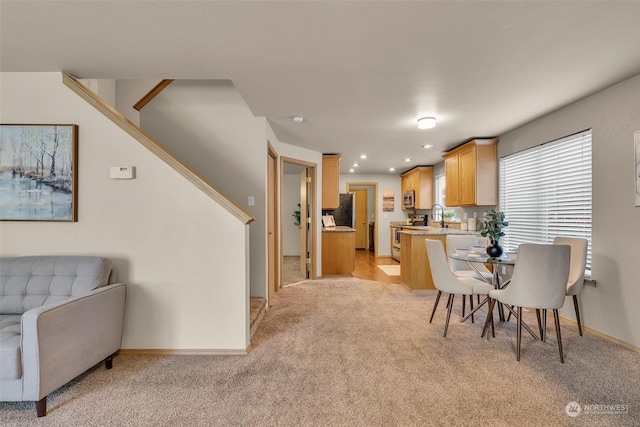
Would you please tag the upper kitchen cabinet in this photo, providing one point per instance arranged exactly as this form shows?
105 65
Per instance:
330 182
420 181
471 173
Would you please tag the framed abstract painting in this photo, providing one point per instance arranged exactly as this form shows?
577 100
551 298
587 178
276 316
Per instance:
38 172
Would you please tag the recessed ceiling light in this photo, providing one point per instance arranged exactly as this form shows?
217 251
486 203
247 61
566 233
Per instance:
392 169
352 170
427 146
355 165
363 156
407 159
298 119
426 123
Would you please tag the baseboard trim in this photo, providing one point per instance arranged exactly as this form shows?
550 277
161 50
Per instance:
601 335
187 352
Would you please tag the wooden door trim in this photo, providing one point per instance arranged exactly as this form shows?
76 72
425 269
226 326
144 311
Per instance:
313 202
272 154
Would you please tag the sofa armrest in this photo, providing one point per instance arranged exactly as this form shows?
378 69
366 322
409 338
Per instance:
60 341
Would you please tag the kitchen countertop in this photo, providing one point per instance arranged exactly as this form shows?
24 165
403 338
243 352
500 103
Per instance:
339 229
435 231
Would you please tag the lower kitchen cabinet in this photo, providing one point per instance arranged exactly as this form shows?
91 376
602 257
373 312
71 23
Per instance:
338 251
415 271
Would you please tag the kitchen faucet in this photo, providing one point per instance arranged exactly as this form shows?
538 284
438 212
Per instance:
441 214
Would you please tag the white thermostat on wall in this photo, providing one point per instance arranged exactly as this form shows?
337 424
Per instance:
122 172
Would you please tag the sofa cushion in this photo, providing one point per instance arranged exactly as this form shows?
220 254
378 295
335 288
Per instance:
10 358
29 282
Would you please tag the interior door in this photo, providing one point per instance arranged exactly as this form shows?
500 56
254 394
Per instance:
361 215
304 233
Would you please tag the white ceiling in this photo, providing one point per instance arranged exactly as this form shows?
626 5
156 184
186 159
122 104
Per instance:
360 72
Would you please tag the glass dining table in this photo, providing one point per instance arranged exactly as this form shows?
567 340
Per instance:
475 259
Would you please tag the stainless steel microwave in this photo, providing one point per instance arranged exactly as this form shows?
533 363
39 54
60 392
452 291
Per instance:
409 200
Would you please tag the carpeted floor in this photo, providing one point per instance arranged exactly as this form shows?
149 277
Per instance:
351 352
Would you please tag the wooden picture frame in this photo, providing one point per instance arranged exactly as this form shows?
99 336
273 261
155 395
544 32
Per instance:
38 172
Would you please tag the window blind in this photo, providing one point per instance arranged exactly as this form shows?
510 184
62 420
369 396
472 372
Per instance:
545 192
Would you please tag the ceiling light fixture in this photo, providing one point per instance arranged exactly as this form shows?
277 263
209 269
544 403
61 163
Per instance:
355 165
426 123
298 119
363 156
407 159
392 169
352 170
427 146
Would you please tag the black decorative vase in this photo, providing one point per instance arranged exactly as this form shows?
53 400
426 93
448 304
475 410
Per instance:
494 250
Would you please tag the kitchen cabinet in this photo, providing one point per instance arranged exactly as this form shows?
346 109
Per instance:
420 180
471 173
415 270
330 182
338 251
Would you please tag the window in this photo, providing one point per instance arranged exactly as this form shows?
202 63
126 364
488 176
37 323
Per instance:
545 192
439 184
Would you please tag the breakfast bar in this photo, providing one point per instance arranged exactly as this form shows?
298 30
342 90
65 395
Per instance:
415 271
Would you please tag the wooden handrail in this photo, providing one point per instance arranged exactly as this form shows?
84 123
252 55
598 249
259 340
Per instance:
152 94
156 148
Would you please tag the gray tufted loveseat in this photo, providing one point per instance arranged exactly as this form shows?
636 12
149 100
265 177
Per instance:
59 316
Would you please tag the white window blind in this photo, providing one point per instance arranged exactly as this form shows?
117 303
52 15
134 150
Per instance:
545 192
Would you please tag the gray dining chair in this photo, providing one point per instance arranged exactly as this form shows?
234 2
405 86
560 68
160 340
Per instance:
575 283
445 281
539 281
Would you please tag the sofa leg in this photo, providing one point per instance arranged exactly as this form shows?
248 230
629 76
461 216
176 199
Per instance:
108 362
41 407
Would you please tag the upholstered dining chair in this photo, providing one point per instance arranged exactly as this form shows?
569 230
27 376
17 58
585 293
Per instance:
445 281
539 281
576 272
463 268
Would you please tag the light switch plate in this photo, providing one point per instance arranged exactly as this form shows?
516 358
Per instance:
251 201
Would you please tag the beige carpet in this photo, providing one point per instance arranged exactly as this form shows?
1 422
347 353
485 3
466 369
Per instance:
390 270
291 270
350 352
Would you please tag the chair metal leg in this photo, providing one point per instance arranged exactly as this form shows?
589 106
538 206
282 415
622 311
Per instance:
519 333
471 306
556 317
492 302
575 305
449 307
539 323
435 305
463 305
543 336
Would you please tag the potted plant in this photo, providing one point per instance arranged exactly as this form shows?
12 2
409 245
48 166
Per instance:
492 228
296 217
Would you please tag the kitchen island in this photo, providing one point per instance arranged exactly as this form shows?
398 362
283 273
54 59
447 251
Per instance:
338 251
415 271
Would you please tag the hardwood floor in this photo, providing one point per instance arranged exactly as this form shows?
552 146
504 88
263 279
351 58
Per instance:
366 267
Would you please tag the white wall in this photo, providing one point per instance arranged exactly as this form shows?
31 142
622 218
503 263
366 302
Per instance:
207 124
128 93
391 182
614 116
185 290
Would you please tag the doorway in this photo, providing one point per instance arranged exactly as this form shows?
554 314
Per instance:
298 222
366 214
